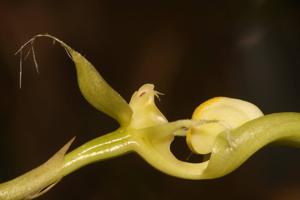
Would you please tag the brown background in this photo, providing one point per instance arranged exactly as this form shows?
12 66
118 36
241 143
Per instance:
191 51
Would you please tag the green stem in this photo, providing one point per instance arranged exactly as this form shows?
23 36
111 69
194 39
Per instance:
39 180
107 146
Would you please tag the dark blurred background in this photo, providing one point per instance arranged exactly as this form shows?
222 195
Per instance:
191 51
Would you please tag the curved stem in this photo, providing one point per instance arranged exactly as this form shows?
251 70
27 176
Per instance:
107 146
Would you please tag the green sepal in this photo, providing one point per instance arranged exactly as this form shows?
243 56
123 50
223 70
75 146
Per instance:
93 87
97 92
232 149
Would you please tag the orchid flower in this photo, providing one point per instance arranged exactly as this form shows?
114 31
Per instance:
228 130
